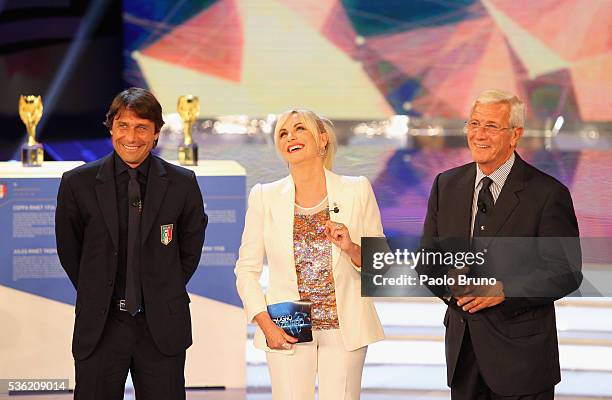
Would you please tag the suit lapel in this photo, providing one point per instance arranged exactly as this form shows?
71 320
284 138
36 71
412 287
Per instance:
282 210
107 197
462 208
507 200
157 184
337 196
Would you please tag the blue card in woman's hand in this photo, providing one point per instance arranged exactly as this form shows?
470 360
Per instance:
294 318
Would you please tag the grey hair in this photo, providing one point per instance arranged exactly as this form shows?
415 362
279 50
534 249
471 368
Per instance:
517 107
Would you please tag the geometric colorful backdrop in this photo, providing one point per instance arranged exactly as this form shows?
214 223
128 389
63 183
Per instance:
358 59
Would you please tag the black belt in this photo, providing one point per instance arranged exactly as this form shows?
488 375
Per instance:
121 305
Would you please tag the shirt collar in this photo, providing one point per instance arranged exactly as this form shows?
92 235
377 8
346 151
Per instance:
498 176
121 166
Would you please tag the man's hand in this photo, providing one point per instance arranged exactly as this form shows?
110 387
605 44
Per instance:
456 290
493 295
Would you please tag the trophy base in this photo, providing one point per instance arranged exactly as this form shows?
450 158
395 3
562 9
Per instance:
32 156
188 154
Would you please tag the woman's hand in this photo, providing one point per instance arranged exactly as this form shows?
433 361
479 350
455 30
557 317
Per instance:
338 234
276 338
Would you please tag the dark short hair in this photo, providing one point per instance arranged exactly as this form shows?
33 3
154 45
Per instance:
141 102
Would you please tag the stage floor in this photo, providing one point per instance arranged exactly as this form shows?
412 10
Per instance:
235 394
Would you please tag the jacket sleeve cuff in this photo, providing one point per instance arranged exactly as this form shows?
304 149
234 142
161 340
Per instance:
255 308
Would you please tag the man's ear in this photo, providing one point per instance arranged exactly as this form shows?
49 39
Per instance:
517 134
156 139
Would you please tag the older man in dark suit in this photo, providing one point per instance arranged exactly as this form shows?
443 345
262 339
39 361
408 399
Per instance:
130 229
501 339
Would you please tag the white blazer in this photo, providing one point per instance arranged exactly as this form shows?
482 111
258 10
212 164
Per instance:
268 231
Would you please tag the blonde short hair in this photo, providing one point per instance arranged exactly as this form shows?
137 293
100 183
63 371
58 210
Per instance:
316 125
517 107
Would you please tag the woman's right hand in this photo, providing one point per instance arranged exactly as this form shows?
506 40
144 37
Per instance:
276 337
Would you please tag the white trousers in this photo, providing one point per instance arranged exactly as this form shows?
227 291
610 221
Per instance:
339 371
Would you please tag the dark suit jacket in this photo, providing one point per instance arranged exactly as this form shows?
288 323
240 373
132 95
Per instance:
86 228
515 342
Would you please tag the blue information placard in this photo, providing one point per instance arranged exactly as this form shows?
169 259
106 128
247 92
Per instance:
28 255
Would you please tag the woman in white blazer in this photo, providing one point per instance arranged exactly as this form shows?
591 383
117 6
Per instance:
309 225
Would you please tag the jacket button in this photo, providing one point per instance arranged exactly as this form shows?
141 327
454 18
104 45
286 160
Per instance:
462 320
110 283
103 311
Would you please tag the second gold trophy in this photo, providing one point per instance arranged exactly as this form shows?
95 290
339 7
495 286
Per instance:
188 108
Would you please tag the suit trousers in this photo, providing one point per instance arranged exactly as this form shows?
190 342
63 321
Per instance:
468 383
293 376
126 345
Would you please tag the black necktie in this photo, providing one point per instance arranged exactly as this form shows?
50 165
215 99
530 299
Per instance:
133 294
485 206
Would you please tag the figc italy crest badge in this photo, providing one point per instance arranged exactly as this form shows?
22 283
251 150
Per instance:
166 234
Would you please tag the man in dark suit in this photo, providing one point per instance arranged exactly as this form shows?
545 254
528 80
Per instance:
129 230
501 338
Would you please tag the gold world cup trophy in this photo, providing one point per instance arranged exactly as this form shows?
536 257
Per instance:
30 111
188 108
